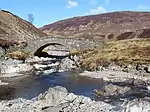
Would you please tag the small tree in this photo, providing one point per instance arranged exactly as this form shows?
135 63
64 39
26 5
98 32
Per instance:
30 18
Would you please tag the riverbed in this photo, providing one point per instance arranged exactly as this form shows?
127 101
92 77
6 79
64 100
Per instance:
30 86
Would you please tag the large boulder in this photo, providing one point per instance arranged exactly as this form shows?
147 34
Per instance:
13 66
68 64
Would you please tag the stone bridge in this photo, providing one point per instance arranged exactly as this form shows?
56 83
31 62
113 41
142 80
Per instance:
69 43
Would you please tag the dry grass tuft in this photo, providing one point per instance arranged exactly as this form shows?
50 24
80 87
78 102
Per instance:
121 52
19 55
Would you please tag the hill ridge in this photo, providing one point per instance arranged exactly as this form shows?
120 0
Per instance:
105 25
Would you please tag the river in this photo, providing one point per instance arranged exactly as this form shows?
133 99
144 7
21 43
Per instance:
31 86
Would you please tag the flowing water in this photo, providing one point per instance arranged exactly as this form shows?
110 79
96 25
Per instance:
32 86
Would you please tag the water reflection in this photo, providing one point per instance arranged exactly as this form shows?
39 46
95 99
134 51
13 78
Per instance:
31 87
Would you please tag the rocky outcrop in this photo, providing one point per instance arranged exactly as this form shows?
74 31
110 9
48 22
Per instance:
114 25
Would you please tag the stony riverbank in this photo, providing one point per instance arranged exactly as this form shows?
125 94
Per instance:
11 67
124 91
58 99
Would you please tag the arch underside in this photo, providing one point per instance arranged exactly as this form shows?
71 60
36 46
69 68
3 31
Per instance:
40 53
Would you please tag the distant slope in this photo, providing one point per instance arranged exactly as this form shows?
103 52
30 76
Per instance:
115 25
14 28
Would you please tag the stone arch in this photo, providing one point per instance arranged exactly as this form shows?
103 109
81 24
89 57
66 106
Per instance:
40 53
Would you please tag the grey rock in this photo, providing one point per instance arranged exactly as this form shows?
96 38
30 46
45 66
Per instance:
6 69
10 61
55 95
52 109
46 69
149 68
2 52
10 67
55 99
67 64
128 81
112 90
114 67
36 59
3 83
58 99
139 83
139 67
137 105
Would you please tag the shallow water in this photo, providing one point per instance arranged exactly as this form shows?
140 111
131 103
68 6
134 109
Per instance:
31 87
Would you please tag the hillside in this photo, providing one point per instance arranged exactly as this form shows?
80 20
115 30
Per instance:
115 25
14 28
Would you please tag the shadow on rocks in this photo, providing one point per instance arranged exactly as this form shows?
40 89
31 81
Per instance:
115 91
6 92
